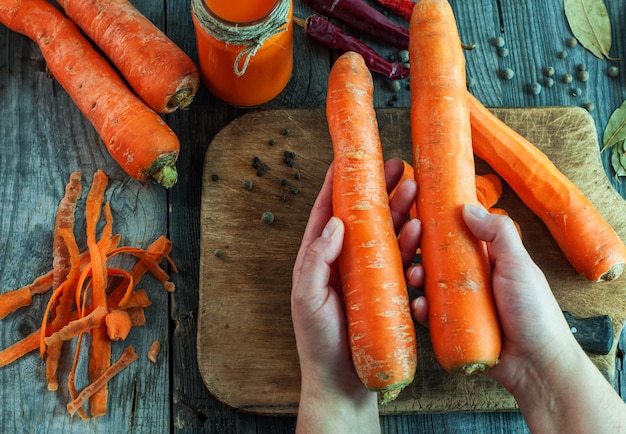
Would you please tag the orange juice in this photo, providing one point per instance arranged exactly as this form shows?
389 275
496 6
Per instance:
232 67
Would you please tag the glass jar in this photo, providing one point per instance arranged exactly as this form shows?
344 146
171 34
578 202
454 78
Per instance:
245 48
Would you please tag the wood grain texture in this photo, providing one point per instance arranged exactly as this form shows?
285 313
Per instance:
43 137
246 347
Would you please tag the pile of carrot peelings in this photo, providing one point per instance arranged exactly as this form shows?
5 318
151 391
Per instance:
87 297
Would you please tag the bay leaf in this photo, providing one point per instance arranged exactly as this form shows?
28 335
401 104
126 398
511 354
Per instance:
618 159
615 130
590 24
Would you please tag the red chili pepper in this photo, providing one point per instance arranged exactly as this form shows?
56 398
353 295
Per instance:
402 8
325 32
364 18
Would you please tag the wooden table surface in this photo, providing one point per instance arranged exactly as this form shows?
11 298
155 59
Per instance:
43 137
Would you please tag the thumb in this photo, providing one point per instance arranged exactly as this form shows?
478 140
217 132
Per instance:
498 230
313 266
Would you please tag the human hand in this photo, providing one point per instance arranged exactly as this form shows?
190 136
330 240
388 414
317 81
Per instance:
316 303
557 387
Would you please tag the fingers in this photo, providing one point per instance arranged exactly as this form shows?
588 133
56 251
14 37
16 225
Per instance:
402 202
409 241
312 271
499 231
321 212
419 310
394 167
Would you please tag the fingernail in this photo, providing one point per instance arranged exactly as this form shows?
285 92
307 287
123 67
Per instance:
476 211
330 228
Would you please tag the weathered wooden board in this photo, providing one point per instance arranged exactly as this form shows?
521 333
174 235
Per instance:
246 347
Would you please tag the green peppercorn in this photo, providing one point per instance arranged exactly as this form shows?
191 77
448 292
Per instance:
548 71
583 75
506 74
498 41
267 217
566 78
562 54
247 184
548 82
534 88
576 92
589 106
571 42
503 52
613 71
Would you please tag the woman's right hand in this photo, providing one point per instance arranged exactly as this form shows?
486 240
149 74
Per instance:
557 387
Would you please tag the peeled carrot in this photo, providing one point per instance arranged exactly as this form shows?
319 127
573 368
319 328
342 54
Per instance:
464 326
589 243
161 74
135 136
380 329
490 187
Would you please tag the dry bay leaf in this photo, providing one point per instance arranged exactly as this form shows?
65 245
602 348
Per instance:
618 159
615 130
590 24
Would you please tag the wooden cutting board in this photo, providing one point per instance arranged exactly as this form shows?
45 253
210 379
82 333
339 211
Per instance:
246 345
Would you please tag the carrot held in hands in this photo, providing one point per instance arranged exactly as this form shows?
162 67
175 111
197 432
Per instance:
464 326
381 332
589 243
163 76
135 136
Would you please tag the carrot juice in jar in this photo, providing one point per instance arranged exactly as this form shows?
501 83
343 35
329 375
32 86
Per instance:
245 48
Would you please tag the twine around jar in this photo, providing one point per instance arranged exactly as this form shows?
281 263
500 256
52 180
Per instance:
250 37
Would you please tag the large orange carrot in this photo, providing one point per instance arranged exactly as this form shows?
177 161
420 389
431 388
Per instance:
135 136
589 243
464 326
380 329
163 76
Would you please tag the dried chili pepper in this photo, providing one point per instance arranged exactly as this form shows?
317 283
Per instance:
364 18
325 32
402 8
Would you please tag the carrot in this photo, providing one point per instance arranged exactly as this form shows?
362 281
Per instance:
163 76
135 136
118 324
590 244
489 187
464 326
380 329
128 356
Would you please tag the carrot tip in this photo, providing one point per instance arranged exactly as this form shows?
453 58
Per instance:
181 99
163 170
613 273
473 368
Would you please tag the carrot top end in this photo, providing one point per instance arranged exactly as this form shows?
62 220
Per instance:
163 170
